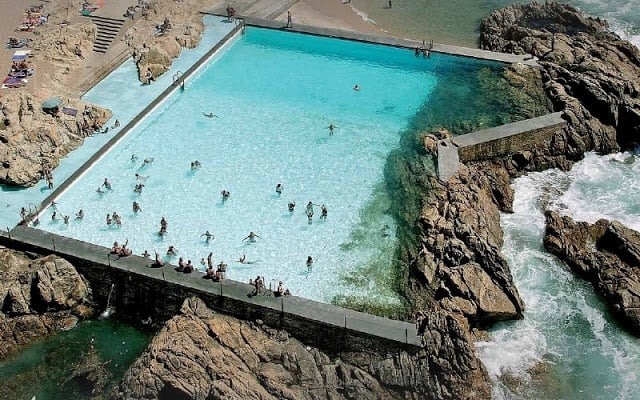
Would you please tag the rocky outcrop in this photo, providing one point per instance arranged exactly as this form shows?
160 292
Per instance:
460 240
154 51
607 254
589 72
38 297
202 355
35 141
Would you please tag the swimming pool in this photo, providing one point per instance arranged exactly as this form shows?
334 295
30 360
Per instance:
270 98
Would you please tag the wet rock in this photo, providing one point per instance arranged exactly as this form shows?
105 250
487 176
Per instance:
39 296
607 254
202 355
588 71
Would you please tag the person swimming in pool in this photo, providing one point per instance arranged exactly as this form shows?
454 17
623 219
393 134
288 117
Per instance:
251 237
225 194
136 207
172 251
309 263
323 212
279 188
106 184
356 88
134 158
147 161
138 188
109 220
80 214
291 206
209 115
208 236
331 128
142 178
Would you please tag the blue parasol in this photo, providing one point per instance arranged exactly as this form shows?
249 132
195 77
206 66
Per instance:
51 102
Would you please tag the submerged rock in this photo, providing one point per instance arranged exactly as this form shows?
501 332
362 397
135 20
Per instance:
607 254
203 355
40 297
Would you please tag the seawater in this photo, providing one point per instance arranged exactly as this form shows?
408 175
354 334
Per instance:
272 96
567 346
458 21
45 369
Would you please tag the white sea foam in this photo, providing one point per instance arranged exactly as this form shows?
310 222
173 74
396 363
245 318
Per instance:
565 323
363 15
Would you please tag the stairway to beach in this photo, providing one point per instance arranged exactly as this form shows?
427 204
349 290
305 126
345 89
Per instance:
108 29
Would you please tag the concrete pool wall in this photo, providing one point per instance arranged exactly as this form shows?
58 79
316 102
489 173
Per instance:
141 291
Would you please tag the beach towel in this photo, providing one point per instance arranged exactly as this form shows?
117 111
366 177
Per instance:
10 82
69 111
20 55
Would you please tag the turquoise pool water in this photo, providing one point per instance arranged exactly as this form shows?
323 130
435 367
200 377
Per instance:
273 95
126 101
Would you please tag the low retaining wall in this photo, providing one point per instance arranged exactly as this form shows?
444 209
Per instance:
141 291
496 142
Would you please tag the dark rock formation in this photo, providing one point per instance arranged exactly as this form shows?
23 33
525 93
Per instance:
589 72
38 297
202 355
607 254
459 260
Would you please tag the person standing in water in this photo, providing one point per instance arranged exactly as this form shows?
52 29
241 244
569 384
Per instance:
331 128
309 263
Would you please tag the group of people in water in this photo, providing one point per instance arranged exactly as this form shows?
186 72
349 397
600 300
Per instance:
214 272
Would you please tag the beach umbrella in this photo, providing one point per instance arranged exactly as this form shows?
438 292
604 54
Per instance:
51 102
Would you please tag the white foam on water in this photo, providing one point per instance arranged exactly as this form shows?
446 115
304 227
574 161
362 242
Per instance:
363 15
565 324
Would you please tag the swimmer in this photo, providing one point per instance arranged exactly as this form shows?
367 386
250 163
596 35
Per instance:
195 165
309 212
331 128
292 206
203 262
134 158
252 237
225 194
146 254
80 214
115 124
23 213
356 88
142 178
147 161
323 212
172 251
117 219
162 231
138 188
109 221
99 190
66 219
279 188
54 216
309 263
136 207
209 115
164 223
208 236
106 184
243 260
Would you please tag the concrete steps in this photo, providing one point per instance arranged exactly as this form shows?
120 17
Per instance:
108 29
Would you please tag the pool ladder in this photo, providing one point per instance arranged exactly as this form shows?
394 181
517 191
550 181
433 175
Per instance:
241 22
178 79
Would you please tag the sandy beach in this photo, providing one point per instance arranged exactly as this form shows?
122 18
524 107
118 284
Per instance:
333 14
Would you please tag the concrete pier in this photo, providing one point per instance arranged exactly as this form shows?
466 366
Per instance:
496 142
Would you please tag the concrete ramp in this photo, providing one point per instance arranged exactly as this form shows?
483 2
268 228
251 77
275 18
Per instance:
448 161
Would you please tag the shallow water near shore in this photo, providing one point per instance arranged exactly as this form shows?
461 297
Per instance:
45 368
458 21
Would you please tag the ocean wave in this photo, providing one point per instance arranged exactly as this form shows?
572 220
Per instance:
362 15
